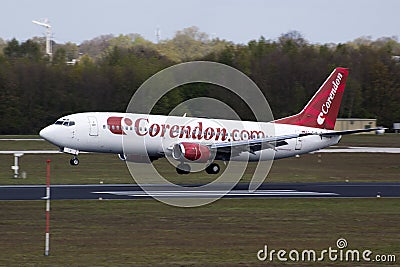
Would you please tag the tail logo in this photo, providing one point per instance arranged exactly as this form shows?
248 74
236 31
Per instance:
320 118
327 105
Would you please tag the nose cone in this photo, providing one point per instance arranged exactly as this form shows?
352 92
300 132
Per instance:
44 133
48 134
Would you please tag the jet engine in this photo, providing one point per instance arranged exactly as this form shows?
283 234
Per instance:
191 151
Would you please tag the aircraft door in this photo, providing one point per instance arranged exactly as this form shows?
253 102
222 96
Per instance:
298 143
93 126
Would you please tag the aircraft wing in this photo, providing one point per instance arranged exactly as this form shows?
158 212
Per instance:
236 147
335 133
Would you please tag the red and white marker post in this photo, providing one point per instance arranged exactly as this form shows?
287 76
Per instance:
47 235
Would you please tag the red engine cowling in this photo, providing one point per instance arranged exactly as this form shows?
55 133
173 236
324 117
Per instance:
191 151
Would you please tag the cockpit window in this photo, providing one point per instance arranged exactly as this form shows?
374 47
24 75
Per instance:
65 122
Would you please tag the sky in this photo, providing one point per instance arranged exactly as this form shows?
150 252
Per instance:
319 21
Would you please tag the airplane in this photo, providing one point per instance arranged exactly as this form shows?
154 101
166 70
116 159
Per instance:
203 140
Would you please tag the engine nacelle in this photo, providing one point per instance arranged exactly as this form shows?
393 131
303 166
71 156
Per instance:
191 152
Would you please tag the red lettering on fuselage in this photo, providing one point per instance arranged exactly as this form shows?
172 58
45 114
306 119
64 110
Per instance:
138 129
174 131
142 127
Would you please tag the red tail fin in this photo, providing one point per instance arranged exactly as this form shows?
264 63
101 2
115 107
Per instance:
323 108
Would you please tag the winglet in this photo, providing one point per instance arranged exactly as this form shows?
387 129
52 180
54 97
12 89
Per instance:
323 108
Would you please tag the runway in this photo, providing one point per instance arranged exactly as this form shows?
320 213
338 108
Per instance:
268 190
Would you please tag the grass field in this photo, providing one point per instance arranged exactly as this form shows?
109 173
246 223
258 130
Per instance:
386 140
228 232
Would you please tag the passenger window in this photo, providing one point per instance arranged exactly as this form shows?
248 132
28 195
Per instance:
71 123
65 123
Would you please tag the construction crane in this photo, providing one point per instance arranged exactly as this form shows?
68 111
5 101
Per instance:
45 23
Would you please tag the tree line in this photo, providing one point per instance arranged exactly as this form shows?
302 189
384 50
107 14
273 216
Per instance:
35 91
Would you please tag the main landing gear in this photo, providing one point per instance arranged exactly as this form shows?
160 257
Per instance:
213 168
74 161
184 168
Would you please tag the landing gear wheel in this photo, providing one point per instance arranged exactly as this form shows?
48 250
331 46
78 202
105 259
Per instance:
74 161
213 168
183 169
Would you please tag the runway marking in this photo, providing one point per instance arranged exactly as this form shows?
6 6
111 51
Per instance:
31 151
21 139
69 185
196 193
359 149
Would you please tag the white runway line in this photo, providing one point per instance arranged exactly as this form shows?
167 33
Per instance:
36 152
195 193
30 151
21 139
360 149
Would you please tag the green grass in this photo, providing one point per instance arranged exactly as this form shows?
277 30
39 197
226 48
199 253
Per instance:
385 140
96 168
26 145
226 233
93 169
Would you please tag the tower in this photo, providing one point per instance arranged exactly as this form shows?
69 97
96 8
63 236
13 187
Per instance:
45 23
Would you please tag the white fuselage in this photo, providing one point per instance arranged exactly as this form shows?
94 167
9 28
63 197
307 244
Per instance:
125 133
